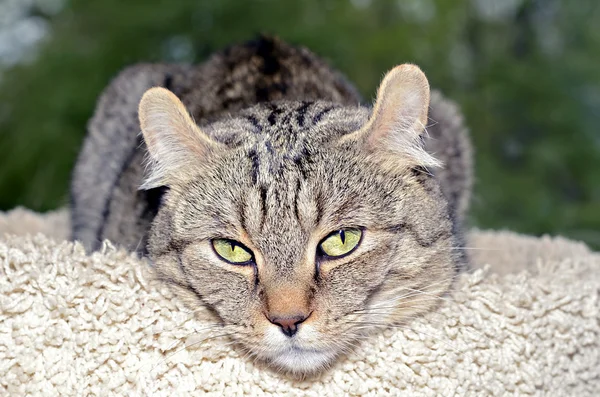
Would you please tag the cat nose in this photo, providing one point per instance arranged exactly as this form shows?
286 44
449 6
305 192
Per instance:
289 324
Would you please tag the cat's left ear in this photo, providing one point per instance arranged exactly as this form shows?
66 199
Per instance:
398 120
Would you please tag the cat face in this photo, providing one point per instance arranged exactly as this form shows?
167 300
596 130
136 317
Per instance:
303 226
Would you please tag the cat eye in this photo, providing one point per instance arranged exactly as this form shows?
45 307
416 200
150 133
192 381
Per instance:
232 251
341 242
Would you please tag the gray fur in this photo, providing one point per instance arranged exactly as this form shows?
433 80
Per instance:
104 201
283 179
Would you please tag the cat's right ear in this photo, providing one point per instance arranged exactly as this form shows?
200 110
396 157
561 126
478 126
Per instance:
175 143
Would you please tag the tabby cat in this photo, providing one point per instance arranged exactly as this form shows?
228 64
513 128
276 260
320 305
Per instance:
261 189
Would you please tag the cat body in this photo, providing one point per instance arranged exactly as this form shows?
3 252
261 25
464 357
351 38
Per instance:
269 195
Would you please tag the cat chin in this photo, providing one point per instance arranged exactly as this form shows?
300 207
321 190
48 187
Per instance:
298 356
301 361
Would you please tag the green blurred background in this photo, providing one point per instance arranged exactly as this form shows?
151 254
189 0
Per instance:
526 73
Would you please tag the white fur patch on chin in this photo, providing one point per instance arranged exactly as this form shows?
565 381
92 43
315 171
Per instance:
302 361
296 355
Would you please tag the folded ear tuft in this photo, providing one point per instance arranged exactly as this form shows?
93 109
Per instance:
175 143
399 117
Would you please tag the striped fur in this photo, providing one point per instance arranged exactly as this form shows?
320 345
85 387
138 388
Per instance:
287 165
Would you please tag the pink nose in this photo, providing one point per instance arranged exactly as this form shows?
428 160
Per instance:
289 324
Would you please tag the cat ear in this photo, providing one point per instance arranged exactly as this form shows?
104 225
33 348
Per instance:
173 139
399 117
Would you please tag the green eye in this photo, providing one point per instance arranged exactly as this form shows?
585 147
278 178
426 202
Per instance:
231 251
341 242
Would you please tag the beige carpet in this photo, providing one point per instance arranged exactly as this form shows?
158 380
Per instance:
72 324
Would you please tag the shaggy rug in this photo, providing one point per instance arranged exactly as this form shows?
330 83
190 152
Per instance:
526 321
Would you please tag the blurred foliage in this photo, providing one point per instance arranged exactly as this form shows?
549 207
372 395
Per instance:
525 73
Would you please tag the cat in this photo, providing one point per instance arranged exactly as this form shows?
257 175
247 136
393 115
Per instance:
261 188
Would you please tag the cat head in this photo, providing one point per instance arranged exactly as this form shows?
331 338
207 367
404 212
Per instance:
302 225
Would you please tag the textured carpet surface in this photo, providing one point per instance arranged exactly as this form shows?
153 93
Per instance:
527 322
